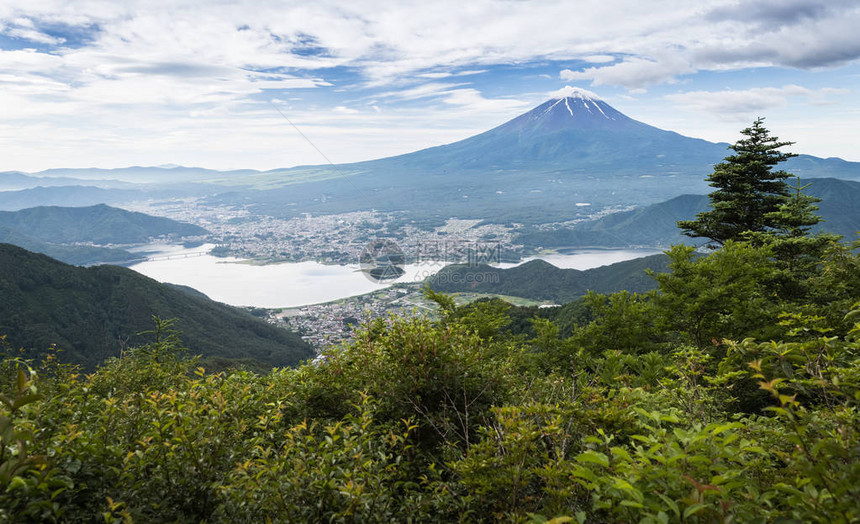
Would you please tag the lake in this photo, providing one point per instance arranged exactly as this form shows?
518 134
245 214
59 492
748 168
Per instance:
292 284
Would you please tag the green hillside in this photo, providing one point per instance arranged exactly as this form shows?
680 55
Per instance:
656 225
70 254
59 231
540 280
99 224
92 313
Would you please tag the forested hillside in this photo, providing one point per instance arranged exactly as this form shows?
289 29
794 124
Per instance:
93 313
99 224
655 225
78 255
540 280
63 232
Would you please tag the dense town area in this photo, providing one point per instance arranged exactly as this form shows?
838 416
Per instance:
333 322
334 239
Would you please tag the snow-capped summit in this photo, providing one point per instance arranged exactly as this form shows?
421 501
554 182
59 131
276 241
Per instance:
574 92
571 108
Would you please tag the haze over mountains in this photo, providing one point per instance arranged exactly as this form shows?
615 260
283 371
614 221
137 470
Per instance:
532 169
78 235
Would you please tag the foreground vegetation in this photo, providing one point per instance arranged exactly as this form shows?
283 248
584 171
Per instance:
713 399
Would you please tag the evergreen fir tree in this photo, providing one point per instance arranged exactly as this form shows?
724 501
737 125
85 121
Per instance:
796 251
748 192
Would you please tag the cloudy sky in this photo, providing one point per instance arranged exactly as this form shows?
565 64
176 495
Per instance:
91 83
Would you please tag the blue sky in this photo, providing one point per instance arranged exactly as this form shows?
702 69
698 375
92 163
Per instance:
118 83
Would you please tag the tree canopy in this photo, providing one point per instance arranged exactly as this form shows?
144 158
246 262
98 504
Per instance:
748 191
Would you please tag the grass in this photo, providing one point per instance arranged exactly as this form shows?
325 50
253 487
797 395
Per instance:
465 298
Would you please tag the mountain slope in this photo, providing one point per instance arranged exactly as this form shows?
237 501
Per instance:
532 169
99 224
15 180
540 280
72 195
91 313
656 225
578 133
77 255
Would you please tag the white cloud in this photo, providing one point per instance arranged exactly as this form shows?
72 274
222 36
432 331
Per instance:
598 59
435 76
428 90
747 103
473 101
632 72
412 36
438 75
111 72
23 28
33 36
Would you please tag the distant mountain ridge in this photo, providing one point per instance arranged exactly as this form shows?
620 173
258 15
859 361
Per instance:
70 254
164 174
656 225
17 181
99 224
72 195
91 313
57 231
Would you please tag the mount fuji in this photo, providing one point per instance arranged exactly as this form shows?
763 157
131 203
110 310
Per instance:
567 158
577 133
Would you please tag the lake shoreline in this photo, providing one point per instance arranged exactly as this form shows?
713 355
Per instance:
242 283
